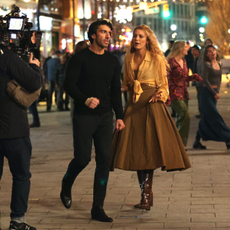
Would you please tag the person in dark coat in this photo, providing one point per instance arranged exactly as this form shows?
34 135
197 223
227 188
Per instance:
199 85
60 76
189 57
15 142
170 44
50 67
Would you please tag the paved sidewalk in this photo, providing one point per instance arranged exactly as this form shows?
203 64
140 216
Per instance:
198 198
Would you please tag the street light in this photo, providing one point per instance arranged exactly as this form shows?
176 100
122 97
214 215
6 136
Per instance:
201 29
166 12
204 20
173 27
174 35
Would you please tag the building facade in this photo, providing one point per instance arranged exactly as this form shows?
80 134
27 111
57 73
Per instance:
65 22
179 24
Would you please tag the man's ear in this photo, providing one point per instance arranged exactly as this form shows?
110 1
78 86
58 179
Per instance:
93 36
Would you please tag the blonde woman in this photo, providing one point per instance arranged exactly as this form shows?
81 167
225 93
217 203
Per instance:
178 78
150 139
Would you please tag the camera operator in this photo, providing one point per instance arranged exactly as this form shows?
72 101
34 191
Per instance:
15 142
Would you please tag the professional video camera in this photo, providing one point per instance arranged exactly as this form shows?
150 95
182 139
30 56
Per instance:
16 33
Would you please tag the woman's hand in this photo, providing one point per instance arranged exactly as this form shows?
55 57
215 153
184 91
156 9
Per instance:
124 88
217 96
156 96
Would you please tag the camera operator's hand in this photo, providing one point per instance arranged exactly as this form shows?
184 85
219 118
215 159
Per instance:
34 60
33 38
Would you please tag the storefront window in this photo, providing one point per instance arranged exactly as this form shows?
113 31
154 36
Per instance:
53 6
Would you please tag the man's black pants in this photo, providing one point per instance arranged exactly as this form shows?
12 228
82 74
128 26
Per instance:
86 128
18 153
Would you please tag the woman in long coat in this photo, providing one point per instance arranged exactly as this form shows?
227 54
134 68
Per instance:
150 139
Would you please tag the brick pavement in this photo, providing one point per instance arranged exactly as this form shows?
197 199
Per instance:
195 199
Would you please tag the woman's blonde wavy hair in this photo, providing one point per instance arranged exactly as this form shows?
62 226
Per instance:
176 49
153 45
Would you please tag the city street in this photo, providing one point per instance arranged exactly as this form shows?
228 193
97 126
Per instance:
195 199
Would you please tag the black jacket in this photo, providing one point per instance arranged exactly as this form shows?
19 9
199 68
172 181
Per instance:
13 118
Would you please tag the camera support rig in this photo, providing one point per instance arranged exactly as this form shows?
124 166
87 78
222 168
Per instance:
15 32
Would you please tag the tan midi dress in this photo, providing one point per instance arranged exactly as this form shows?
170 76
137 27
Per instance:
150 139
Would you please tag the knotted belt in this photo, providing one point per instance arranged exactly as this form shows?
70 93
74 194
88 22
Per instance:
137 91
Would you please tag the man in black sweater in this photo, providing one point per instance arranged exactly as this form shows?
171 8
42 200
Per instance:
92 79
15 142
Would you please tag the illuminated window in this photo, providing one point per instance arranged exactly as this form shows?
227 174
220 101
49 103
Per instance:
54 6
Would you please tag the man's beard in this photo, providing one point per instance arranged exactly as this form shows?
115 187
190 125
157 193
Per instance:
100 45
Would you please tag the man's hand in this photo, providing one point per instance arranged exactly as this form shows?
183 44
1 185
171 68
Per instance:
156 97
124 88
119 125
217 96
33 37
93 103
34 60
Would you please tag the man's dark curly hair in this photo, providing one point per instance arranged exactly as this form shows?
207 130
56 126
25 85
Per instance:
94 26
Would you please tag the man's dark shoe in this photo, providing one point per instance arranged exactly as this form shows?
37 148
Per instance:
198 145
65 196
20 226
66 200
98 213
198 116
34 125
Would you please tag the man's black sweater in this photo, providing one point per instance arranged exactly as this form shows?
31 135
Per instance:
91 75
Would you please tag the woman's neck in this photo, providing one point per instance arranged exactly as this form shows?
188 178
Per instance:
140 54
179 58
213 61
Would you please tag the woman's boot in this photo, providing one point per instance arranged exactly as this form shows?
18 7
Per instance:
146 186
141 178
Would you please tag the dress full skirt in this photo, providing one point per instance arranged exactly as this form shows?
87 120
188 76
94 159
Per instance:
150 139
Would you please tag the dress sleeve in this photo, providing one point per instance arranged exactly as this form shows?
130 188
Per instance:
162 81
205 78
